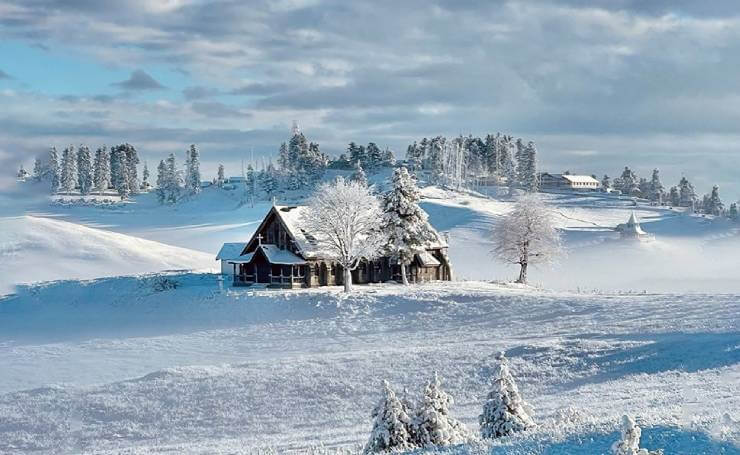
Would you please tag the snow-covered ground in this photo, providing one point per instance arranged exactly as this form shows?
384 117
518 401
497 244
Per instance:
114 363
123 364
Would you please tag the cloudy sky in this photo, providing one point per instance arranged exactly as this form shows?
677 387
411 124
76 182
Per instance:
596 84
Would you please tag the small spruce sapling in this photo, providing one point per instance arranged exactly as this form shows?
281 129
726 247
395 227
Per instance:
433 425
505 412
391 424
629 444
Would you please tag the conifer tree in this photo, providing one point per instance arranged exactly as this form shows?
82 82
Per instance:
53 171
675 197
119 171
220 178
630 182
69 170
284 162
404 222
131 172
359 174
713 204
657 190
162 182
687 195
192 179
529 173
733 214
432 424
391 425
629 444
173 180
606 182
504 411
389 159
38 169
102 170
145 177
84 170
374 157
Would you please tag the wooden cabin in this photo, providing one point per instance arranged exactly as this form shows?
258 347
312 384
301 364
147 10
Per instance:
283 254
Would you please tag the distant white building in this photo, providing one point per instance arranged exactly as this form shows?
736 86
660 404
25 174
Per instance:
631 230
229 252
568 182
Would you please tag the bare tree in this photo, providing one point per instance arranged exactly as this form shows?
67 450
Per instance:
343 217
527 236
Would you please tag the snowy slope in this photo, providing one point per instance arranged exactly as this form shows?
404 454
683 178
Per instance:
115 366
41 249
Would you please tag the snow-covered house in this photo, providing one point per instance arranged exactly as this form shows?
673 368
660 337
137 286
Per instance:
568 182
228 252
631 230
281 253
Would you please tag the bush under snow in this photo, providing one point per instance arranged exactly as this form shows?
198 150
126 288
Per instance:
505 412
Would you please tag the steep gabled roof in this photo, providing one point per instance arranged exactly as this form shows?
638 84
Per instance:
230 250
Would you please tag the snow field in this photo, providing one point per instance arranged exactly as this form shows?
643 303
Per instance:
287 371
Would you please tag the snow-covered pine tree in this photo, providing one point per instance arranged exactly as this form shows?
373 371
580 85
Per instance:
250 184
657 190
675 197
606 182
436 158
162 182
132 161
528 175
119 171
173 180
629 444
713 204
145 177
389 159
374 157
356 154
192 179
391 425
504 412
491 154
687 195
526 235
404 223
359 174
432 424
268 180
220 177
101 170
343 217
520 158
69 169
84 170
22 174
53 171
508 168
644 186
284 162
38 169
630 183
733 213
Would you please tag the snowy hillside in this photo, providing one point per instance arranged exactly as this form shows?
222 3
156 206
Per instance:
119 365
42 249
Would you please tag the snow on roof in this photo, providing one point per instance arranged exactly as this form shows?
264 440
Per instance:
243 259
633 226
581 179
427 259
291 216
277 256
230 251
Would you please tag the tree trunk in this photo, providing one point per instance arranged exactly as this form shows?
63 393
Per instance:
404 278
347 280
523 274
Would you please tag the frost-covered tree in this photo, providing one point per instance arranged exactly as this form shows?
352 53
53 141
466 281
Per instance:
132 161
53 171
162 182
391 425
192 177
220 177
606 182
657 190
435 158
507 166
101 167
374 156
527 235
84 170
404 223
343 216
687 194
528 175
119 170
733 213
674 196
629 444
432 424
69 170
389 158
173 181
504 412
359 174
267 180
145 177
22 174
630 184
38 169
713 204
